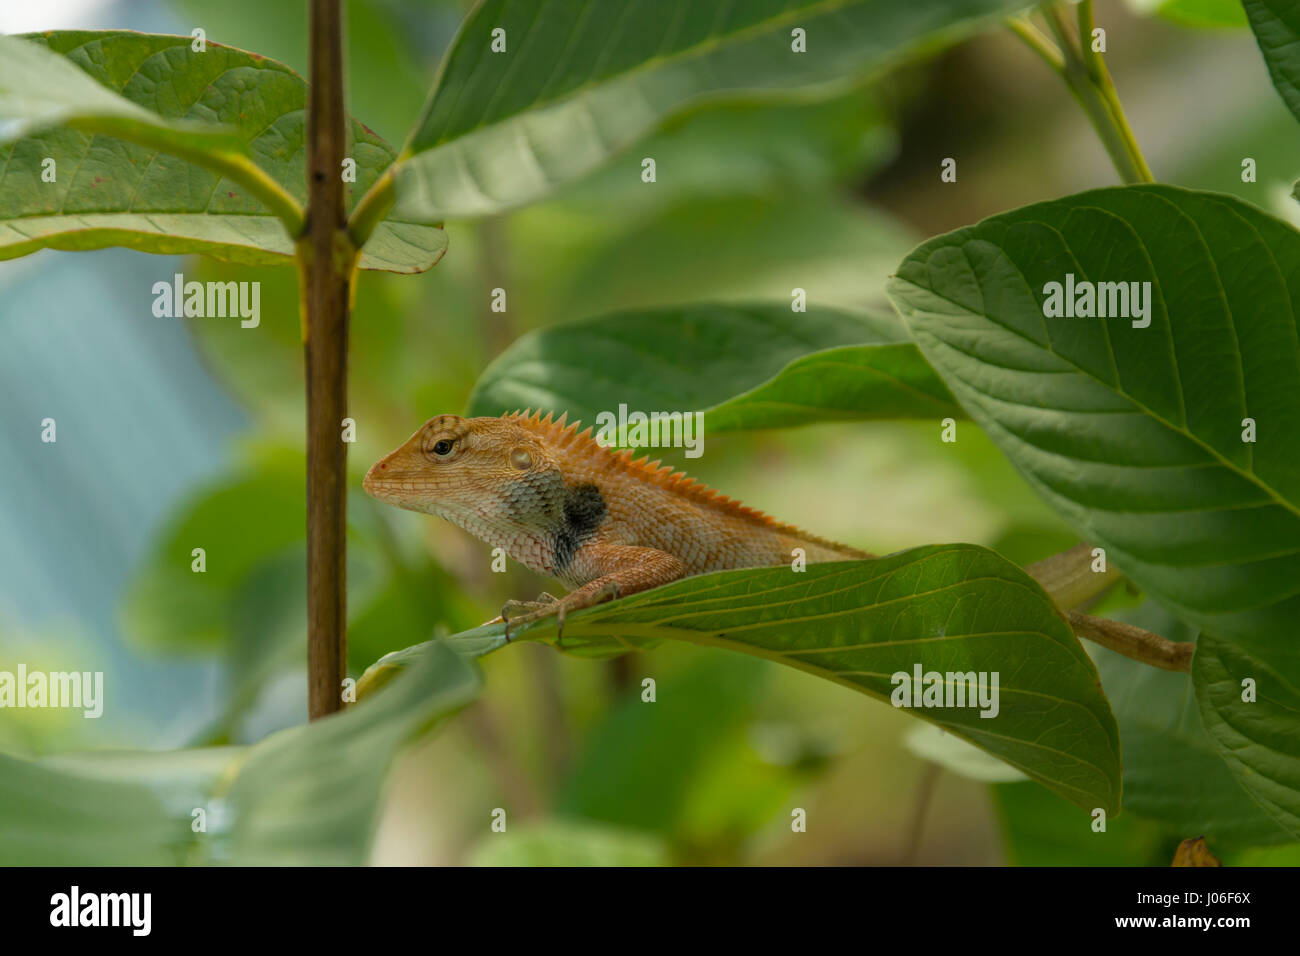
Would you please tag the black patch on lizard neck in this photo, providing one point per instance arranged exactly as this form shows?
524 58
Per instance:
583 511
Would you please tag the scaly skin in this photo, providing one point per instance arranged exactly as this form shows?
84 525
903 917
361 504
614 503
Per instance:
563 505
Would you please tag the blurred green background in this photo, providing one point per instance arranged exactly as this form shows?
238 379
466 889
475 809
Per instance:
179 434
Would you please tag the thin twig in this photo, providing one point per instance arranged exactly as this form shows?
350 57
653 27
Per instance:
1038 41
1069 579
1088 80
920 810
1133 642
515 782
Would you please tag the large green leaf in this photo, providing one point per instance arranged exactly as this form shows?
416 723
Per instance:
308 795
946 608
1276 24
1173 773
748 367
1260 737
1135 435
146 133
581 79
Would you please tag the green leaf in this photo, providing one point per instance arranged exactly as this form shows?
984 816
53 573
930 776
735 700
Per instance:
1258 738
947 608
306 796
1276 25
39 88
1204 14
751 367
581 79
1173 773
161 148
1135 435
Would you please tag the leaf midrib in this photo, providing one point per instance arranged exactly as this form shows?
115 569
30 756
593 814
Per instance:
1117 388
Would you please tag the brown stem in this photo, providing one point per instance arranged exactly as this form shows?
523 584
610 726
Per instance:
1071 583
1134 642
326 260
1069 579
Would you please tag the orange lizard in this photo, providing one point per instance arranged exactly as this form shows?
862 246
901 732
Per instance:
559 502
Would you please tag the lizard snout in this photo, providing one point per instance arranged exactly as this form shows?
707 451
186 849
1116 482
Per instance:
377 476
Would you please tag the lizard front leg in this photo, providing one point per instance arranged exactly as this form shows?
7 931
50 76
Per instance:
620 570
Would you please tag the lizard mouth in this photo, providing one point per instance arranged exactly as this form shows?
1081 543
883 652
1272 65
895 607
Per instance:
381 479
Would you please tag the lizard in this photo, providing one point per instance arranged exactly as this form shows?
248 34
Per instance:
561 503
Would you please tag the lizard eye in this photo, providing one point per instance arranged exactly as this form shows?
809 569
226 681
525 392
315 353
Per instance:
521 459
442 447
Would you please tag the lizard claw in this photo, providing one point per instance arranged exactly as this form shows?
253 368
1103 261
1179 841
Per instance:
547 605
544 606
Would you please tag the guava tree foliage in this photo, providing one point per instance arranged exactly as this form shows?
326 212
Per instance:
1131 350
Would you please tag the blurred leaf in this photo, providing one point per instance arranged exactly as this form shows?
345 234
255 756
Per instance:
305 796
729 249
147 193
1206 14
1276 24
386 69
311 795
750 148
1173 773
1258 738
1041 829
946 608
1135 434
577 82
734 797
1265 856
106 809
748 368
239 523
697 713
566 843
954 754
390 382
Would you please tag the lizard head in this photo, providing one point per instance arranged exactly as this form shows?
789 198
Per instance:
457 467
